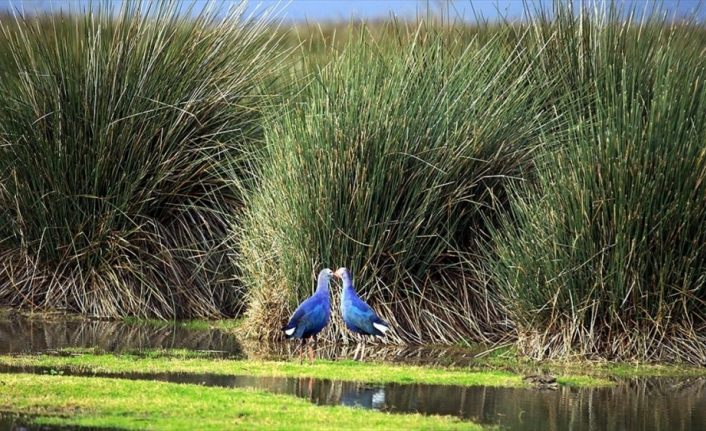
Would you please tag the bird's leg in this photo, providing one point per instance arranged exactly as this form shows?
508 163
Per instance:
313 348
316 342
355 353
301 350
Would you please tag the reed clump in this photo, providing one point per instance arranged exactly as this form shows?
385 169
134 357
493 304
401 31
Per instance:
122 143
605 255
393 161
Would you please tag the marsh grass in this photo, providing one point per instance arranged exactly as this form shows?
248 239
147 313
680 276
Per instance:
541 181
392 161
605 257
123 145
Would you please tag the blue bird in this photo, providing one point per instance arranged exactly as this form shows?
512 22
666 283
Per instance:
313 314
357 314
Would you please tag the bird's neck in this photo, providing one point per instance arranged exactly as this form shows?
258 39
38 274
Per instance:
348 289
322 287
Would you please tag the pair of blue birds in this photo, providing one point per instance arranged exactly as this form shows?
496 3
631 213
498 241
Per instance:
314 313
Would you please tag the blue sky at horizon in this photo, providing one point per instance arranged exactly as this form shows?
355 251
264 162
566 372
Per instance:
344 10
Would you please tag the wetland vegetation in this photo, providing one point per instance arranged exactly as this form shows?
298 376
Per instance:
537 188
520 193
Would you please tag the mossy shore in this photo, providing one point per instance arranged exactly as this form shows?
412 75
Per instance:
99 397
58 398
128 404
344 370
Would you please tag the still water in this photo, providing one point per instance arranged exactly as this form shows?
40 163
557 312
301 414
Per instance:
22 335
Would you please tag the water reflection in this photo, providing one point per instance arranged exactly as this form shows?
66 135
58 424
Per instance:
21 335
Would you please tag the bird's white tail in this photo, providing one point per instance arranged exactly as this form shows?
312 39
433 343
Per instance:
380 327
290 331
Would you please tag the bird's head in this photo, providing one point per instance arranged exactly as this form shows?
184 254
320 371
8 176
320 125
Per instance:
343 273
324 279
325 276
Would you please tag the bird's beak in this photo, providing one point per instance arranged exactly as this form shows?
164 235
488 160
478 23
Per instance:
337 274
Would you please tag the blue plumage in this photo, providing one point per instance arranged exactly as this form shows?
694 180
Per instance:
357 314
313 314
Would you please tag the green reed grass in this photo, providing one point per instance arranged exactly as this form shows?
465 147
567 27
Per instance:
123 139
392 161
606 256
542 180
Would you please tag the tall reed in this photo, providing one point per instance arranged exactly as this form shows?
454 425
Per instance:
606 256
123 137
392 161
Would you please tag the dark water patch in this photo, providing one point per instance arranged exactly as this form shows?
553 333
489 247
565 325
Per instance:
19 334
16 422
643 404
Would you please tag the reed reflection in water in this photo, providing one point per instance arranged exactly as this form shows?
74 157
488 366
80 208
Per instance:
21 335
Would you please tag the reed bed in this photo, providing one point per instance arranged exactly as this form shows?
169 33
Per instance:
123 140
392 161
540 181
605 254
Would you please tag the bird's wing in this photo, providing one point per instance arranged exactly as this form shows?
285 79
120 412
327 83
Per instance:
361 315
366 318
361 306
298 318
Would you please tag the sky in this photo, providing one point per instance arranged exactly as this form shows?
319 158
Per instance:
344 10
322 10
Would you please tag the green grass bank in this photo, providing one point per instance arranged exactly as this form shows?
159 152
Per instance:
124 404
335 370
493 371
